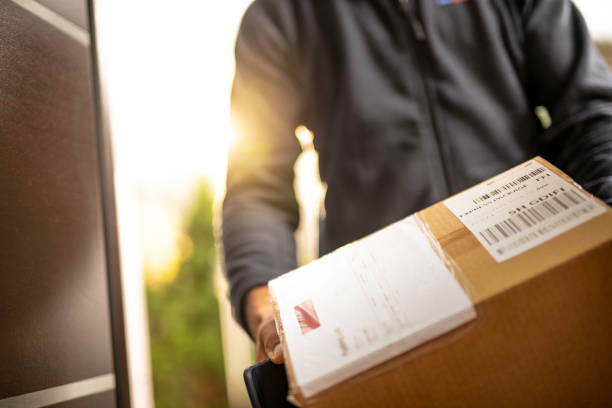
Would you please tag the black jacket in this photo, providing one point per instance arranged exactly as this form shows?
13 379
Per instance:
409 102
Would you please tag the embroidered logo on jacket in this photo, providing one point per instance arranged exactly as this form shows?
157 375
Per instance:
446 2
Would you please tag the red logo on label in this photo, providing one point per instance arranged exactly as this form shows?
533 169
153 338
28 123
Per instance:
306 316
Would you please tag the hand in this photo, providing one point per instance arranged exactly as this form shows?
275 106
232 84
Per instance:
260 321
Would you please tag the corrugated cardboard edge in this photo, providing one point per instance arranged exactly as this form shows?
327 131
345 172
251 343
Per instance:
295 395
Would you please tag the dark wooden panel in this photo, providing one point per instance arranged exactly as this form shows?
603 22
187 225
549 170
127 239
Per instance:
102 400
53 289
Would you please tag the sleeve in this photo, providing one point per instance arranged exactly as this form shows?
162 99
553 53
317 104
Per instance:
260 212
567 75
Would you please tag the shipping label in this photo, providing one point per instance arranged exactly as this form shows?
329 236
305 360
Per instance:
366 303
522 208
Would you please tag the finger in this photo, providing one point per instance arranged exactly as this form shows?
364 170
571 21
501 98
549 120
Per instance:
266 340
269 336
271 342
277 356
260 353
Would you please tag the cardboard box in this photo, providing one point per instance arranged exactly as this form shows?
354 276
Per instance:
531 251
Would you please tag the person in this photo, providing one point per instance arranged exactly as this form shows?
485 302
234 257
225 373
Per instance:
409 101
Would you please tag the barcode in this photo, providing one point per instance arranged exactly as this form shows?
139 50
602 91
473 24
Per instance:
531 217
548 228
510 185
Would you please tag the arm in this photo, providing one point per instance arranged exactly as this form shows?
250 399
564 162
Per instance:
260 212
566 74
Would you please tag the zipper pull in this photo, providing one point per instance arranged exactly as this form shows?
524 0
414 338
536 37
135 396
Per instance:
407 6
419 30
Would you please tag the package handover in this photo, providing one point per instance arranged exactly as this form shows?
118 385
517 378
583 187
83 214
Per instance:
456 305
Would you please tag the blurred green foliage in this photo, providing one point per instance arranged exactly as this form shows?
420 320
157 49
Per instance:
184 325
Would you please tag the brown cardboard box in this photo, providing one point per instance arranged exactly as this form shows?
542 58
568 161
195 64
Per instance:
542 336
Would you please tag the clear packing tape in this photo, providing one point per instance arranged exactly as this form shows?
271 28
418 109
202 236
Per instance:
364 304
374 304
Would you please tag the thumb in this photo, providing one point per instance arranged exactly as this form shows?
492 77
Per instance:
276 356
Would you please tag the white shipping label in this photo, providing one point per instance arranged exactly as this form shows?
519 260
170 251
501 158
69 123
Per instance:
366 303
522 208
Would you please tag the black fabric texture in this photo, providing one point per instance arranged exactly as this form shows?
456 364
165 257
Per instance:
409 102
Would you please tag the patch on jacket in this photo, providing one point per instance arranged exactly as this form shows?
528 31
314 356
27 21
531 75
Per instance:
446 2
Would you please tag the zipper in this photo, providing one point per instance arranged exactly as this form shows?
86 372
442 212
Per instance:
423 63
407 6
